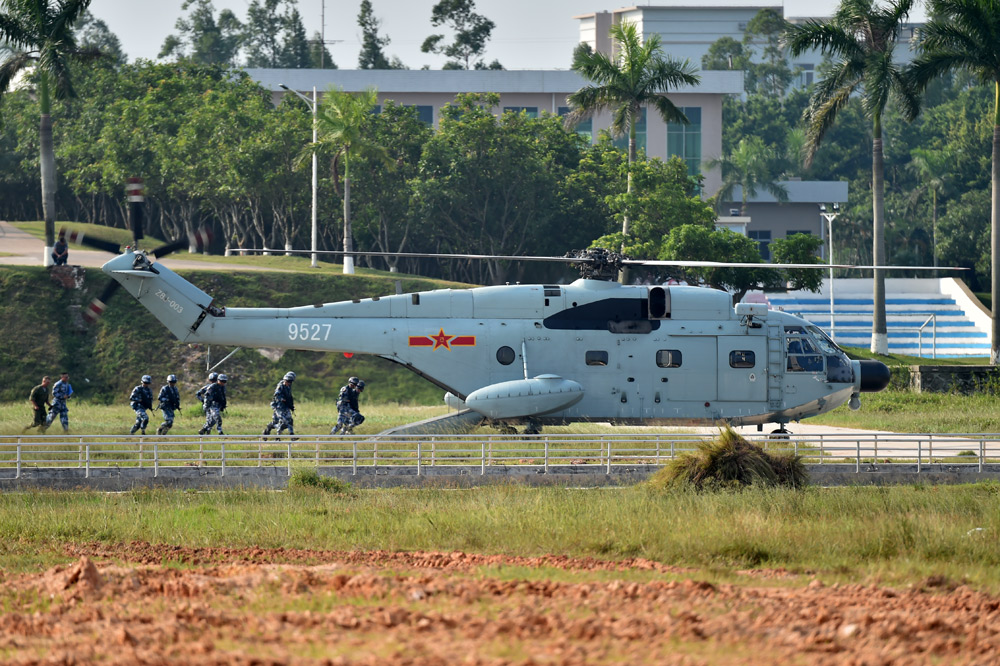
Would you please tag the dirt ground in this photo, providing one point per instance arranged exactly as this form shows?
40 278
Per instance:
146 604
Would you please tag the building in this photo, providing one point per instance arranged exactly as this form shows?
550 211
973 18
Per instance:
768 219
534 92
687 29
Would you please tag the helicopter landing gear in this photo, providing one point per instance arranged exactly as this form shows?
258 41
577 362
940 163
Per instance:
780 433
533 428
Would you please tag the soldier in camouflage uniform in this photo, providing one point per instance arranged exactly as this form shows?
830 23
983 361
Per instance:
212 377
215 404
39 399
61 392
283 405
170 400
140 400
347 405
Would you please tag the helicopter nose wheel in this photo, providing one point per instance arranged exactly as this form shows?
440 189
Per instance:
780 433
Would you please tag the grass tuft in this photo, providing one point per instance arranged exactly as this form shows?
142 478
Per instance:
730 461
310 479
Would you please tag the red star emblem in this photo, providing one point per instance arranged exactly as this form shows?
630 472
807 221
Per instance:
441 340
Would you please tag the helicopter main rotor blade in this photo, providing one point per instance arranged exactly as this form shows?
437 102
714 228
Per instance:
96 307
584 260
198 239
80 238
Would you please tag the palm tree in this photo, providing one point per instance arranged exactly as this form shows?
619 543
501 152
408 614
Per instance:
750 166
965 35
636 77
931 167
39 34
340 122
860 39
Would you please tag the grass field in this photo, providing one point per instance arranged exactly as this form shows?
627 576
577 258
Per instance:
892 536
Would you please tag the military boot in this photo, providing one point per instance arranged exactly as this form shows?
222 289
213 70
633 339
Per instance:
132 431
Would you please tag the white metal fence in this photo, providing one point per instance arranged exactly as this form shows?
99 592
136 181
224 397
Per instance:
601 452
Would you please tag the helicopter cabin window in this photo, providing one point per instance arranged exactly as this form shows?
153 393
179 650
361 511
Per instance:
597 358
668 358
505 355
742 359
802 355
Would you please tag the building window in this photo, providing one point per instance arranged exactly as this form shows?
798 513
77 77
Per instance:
684 141
742 359
531 111
584 128
807 74
668 358
424 113
640 134
597 358
763 239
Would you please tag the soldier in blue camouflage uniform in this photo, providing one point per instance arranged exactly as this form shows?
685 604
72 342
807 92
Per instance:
347 405
170 400
215 404
141 400
212 377
61 392
283 405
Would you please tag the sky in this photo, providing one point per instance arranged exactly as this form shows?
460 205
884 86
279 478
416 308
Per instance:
539 34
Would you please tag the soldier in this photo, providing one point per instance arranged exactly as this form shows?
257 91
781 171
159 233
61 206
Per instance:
212 377
61 392
170 400
347 405
215 404
140 400
39 399
283 405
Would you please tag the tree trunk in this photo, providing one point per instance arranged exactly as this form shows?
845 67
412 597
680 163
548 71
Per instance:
623 275
995 230
48 168
880 338
348 233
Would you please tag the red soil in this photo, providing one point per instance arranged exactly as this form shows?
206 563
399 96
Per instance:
145 604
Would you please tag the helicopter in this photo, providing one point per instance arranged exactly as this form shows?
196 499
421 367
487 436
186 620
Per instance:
549 354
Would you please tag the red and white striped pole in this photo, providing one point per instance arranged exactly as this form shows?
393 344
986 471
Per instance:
136 196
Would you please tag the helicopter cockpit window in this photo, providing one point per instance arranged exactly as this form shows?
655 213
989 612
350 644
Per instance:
668 358
803 355
505 355
825 343
597 358
742 359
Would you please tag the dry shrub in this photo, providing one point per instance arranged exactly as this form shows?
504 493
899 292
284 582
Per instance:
729 461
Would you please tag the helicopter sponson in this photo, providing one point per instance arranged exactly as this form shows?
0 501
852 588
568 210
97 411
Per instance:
588 351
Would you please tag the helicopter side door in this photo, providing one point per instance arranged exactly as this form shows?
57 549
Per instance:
742 368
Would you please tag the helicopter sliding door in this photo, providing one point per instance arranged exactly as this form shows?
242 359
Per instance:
685 371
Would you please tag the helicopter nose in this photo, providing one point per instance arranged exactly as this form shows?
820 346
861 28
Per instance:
874 376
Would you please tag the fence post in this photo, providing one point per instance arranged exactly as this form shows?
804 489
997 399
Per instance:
88 460
433 449
354 458
18 474
482 458
546 454
156 459
982 454
857 464
821 448
223 457
657 449
288 458
920 450
608 468
418 459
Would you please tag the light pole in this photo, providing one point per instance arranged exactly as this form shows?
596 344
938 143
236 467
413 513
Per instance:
830 217
312 106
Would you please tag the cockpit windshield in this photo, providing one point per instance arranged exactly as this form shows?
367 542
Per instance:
825 343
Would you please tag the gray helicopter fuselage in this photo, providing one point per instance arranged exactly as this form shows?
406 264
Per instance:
589 351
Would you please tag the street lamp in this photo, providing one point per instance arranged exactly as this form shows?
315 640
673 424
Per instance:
830 217
312 105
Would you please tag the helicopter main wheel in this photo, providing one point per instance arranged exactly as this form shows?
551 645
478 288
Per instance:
780 433
505 429
533 428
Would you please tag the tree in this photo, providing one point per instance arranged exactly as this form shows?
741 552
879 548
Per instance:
964 35
341 120
637 77
40 35
319 55
93 34
204 38
861 38
372 56
932 167
751 166
772 75
691 242
472 31
274 35
724 53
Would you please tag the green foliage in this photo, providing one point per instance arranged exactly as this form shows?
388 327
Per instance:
203 37
311 479
472 31
274 36
729 461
